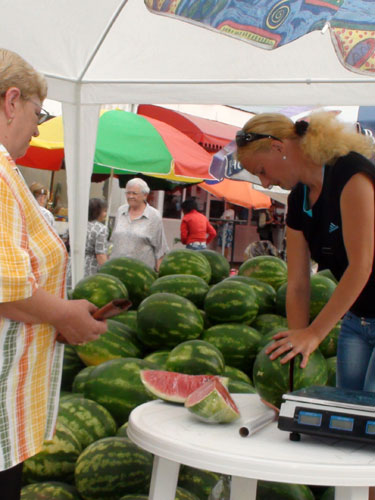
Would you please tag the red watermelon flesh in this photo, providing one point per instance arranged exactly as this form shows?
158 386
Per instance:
212 403
173 386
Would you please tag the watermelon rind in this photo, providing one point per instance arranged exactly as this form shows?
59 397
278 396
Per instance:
271 270
196 357
159 358
174 387
192 287
220 267
100 289
239 387
81 378
49 490
212 403
112 467
269 321
265 293
235 374
185 261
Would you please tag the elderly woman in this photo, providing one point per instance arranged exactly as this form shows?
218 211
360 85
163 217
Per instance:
331 220
138 231
32 285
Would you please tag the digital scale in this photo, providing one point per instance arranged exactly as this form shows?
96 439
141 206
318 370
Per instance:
329 412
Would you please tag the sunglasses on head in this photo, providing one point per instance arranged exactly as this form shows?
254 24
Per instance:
243 138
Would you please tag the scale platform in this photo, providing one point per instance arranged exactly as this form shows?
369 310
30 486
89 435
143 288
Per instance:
330 412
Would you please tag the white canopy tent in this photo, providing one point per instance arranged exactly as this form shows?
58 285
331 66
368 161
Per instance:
95 52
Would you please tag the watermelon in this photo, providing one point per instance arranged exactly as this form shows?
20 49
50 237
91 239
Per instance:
72 364
198 481
271 270
116 342
81 378
100 289
158 358
268 337
171 386
116 384
237 342
329 494
212 403
328 346
128 318
266 322
112 467
189 286
321 289
219 265
271 378
134 274
237 386
88 420
181 494
231 302
328 274
185 261
235 374
56 460
265 293
165 320
49 490
331 366
122 431
196 357
283 491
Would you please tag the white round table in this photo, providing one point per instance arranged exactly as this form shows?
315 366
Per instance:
176 437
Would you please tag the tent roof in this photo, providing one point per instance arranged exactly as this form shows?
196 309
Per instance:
125 54
210 134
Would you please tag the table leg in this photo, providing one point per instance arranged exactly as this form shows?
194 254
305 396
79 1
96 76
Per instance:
243 488
351 493
164 479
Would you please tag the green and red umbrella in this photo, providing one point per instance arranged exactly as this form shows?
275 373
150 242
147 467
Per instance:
127 143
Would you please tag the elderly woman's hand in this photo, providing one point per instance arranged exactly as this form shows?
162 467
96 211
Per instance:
76 324
292 342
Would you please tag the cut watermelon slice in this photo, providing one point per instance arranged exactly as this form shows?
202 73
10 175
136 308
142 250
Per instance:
212 403
173 386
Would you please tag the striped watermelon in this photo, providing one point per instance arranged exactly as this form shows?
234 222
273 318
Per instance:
72 364
237 386
231 302
331 366
49 490
122 431
321 289
196 357
271 378
135 274
116 342
88 419
266 322
198 481
283 491
128 318
268 336
165 320
172 386
181 494
235 374
328 346
267 268
237 342
112 467
81 378
265 293
158 358
100 289
212 403
185 261
56 460
117 385
219 265
189 286
328 274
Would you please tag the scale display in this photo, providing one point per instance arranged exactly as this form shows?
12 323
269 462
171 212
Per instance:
329 411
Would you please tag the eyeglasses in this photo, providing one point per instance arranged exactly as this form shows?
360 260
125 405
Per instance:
132 192
43 114
243 138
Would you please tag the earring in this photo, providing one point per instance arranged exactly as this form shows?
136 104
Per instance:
10 121
284 157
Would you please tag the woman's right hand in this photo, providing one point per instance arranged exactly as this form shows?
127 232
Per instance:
76 323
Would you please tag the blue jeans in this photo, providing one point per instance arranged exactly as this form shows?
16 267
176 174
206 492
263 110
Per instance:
196 245
356 354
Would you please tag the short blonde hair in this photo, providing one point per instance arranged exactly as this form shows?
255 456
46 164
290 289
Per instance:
326 138
16 72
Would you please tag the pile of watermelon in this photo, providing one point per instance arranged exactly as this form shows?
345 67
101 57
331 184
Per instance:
191 319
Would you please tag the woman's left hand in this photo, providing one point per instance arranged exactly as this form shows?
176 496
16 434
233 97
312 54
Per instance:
292 342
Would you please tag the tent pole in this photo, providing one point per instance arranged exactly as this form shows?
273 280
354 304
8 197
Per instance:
110 186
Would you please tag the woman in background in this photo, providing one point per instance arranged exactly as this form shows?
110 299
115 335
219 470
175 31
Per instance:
32 287
97 237
41 195
196 230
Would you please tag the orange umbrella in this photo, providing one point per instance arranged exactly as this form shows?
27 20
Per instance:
238 192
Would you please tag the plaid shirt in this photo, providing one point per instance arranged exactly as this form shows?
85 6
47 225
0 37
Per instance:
31 255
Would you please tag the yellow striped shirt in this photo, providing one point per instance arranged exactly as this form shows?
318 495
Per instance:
31 256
